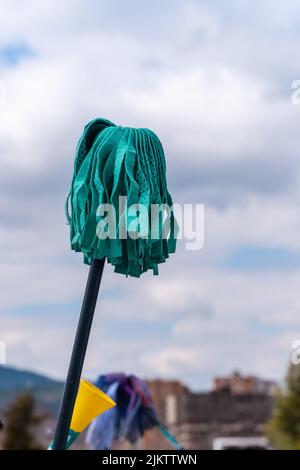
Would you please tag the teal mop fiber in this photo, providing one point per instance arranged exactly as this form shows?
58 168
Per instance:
114 162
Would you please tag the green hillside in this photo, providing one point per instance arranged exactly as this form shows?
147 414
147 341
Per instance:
15 381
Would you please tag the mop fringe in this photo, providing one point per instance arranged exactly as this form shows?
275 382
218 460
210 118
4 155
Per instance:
113 164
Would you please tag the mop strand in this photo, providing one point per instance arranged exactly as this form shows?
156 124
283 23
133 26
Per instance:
115 164
170 437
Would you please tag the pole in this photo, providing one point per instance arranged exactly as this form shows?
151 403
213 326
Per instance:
78 354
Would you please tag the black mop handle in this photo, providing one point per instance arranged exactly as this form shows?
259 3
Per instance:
78 354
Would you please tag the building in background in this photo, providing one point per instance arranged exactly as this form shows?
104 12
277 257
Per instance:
236 406
244 384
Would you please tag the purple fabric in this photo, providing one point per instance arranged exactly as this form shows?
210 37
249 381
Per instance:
132 416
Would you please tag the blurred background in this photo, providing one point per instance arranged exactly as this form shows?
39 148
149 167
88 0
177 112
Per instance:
214 80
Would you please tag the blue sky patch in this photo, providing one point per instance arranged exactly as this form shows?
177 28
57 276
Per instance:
12 54
263 258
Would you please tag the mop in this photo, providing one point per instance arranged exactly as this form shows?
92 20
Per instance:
118 209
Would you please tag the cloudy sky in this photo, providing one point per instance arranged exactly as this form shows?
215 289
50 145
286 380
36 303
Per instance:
213 79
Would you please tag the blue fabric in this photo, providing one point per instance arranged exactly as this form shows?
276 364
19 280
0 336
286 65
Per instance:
101 432
132 416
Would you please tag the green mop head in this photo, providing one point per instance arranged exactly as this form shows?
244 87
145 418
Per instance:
123 169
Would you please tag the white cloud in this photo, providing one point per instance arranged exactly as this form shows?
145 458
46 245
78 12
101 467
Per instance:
218 96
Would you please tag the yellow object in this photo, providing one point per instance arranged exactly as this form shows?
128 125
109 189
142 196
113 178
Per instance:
90 403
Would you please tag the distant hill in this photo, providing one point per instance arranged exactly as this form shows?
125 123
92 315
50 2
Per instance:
11 378
15 381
